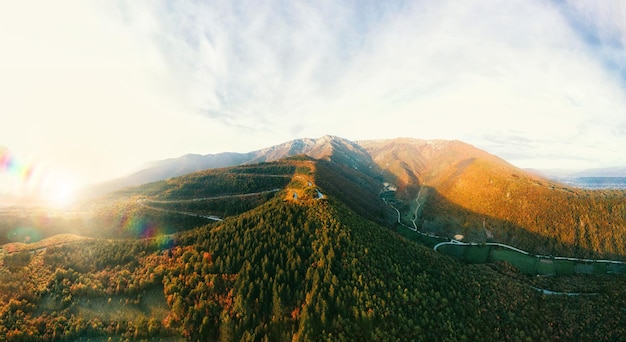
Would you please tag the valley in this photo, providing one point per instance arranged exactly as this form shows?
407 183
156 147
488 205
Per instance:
358 242
482 252
541 265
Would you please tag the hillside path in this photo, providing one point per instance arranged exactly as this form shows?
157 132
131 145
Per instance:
414 228
417 200
199 199
457 242
142 202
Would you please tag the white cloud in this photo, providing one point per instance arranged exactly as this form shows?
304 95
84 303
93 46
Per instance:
100 87
85 92
602 24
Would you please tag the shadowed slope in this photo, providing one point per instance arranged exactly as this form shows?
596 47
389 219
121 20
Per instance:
473 191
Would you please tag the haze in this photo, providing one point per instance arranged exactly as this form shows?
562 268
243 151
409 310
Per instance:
91 90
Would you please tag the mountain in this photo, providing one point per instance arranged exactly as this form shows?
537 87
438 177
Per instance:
331 147
591 179
409 161
566 175
399 158
169 168
338 148
302 250
450 188
413 162
603 172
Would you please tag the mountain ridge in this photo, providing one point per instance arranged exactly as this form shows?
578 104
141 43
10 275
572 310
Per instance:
352 153
450 188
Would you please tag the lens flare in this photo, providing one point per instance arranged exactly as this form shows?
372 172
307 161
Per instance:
58 190
24 234
34 183
11 165
143 228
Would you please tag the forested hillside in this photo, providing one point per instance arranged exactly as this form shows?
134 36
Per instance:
530 213
297 266
283 270
482 197
461 189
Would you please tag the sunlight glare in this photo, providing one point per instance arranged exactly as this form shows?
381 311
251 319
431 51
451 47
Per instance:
58 191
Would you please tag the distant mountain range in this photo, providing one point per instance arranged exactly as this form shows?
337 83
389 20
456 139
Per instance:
568 174
399 154
421 155
174 167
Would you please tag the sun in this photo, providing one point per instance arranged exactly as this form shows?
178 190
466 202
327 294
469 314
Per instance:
59 192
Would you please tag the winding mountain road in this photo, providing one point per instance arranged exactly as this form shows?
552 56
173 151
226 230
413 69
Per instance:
414 228
417 200
142 202
571 294
199 199
457 242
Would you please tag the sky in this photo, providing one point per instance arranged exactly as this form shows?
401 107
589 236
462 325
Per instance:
92 90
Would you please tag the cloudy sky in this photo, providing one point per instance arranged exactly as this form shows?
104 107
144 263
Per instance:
90 90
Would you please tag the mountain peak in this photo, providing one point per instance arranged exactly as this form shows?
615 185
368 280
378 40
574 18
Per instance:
408 160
